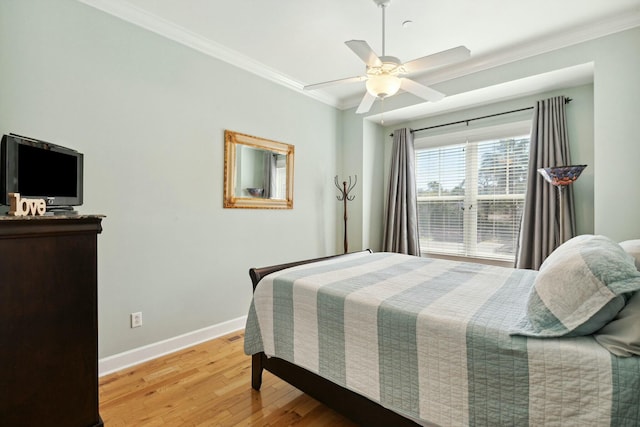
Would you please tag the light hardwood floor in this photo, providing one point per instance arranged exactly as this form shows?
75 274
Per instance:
207 385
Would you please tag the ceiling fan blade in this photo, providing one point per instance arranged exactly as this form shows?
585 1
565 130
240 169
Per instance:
445 57
335 82
421 91
366 103
364 51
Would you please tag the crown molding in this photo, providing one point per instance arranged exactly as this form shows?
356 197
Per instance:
549 43
571 36
517 52
127 12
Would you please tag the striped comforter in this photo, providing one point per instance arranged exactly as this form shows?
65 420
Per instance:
429 339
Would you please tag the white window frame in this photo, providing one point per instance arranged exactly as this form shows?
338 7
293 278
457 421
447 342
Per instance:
513 130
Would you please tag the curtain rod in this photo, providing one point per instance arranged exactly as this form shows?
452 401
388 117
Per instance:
566 101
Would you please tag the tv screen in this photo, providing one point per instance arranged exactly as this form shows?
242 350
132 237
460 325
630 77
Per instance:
41 170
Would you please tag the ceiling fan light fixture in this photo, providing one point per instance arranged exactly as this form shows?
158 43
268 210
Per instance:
383 85
385 75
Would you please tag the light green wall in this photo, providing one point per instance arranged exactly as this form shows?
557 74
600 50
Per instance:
363 153
149 115
249 169
617 143
374 186
579 129
603 127
352 164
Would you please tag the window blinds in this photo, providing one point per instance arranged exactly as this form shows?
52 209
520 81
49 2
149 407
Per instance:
470 197
440 184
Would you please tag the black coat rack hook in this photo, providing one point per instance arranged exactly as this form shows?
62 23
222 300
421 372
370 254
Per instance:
345 190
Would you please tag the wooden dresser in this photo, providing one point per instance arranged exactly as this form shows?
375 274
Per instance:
48 321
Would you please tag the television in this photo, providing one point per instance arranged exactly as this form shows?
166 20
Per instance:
41 170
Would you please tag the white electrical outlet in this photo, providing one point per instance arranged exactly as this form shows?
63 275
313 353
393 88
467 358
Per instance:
136 319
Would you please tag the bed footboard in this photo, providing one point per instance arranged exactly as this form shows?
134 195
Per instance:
363 411
354 406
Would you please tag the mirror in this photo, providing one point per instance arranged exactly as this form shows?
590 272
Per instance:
258 173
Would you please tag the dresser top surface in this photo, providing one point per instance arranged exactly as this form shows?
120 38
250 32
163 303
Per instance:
48 217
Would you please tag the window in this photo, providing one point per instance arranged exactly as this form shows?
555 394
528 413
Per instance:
470 190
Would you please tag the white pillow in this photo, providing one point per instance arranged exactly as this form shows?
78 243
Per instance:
632 247
621 336
580 288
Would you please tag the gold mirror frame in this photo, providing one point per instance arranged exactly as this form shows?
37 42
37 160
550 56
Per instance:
232 141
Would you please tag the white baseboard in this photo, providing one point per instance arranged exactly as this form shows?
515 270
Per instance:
148 352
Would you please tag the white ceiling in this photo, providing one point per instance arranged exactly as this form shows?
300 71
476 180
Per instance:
301 42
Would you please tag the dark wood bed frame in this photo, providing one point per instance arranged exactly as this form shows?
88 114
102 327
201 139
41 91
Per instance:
361 410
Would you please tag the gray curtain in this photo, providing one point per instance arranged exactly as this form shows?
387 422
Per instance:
269 178
401 214
540 231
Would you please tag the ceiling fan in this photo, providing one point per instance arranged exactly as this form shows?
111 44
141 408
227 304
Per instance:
384 73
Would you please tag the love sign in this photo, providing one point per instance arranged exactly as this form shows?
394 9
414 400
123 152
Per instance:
23 207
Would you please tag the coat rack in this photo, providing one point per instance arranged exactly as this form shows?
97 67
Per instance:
344 197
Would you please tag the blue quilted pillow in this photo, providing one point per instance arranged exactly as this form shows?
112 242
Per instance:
580 288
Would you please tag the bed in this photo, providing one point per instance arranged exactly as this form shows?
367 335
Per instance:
390 339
